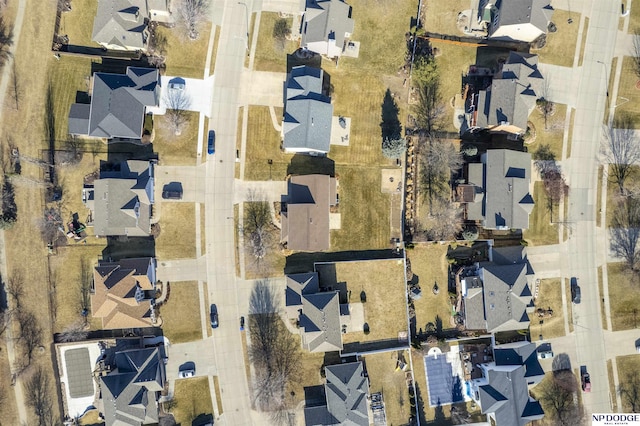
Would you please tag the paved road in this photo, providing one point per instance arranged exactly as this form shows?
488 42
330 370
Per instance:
582 168
219 223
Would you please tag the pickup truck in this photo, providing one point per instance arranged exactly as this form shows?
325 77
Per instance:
586 382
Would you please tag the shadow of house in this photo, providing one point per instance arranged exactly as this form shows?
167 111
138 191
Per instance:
303 262
305 165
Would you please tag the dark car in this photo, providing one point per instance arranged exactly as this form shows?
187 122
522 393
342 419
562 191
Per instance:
172 195
213 315
241 323
586 382
575 290
211 145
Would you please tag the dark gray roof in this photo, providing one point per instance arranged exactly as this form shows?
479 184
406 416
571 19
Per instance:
131 390
118 103
517 12
506 297
347 389
297 285
121 23
507 202
474 318
320 322
512 94
307 112
123 199
506 394
326 21
79 119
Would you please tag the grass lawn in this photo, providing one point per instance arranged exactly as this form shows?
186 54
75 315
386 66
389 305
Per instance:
612 387
176 150
561 45
263 144
177 238
552 135
567 290
623 296
632 183
583 42
272 265
307 375
90 418
271 55
541 232
441 16
627 366
627 89
603 311
384 285
549 296
186 58
634 18
429 266
78 23
383 377
192 397
181 313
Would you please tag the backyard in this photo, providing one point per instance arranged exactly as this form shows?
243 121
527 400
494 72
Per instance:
549 298
181 312
177 239
192 398
624 297
541 231
441 16
385 377
77 24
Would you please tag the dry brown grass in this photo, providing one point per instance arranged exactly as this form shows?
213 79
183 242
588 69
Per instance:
429 265
385 378
561 45
440 17
176 150
552 134
549 296
186 58
78 23
541 232
192 398
181 313
177 238
624 297
263 143
627 89
91 418
308 374
384 285
271 55
627 366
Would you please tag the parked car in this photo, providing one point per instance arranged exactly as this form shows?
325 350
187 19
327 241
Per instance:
213 315
544 351
586 382
575 291
211 145
241 323
184 374
172 195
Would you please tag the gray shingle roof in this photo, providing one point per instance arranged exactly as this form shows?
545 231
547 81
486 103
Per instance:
297 285
79 119
347 389
507 202
307 112
320 322
121 23
326 21
123 199
516 12
512 94
131 390
506 394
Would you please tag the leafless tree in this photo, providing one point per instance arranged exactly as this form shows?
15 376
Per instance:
73 333
178 103
630 391
38 394
438 159
15 289
281 30
545 106
30 334
557 396
621 150
192 13
86 282
625 231
6 40
257 227
15 86
443 222
50 225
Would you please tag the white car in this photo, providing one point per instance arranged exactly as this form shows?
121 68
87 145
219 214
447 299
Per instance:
184 374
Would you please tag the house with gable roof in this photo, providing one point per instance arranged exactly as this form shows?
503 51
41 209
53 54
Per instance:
121 199
123 293
118 105
346 393
130 391
502 392
306 125
505 106
326 27
520 20
497 294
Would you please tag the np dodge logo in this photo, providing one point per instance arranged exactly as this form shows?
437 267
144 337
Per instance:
602 419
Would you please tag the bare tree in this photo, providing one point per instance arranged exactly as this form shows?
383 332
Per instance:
429 108
6 40
630 391
438 159
557 396
15 289
50 225
192 13
257 226
625 231
281 30
30 334
86 282
443 222
545 106
621 150
178 103
38 395
73 333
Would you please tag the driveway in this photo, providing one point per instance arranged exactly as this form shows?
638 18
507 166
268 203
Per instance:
563 84
191 94
545 261
292 7
262 88
182 270
260 190
198 352
189 178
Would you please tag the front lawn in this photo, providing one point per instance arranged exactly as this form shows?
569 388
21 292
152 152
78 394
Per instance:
627 89
624 297
549 297
185 57
271 54
181 312
263 144
192 398
175 150
628 367
552 133
541 231
177 239
561 45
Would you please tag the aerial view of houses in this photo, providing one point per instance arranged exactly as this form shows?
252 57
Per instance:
319 212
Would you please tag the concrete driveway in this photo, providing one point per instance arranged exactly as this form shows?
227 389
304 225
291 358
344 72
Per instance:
182 270
563 84
262 88
198 352
292 7
192 94
189 178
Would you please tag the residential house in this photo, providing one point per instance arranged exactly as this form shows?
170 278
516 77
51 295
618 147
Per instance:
497 294
121 200
506 104
123 293
326 27
123 24
346 394
503 390
130 389
306 126
118 105
319 314
497 190
305 212
520 20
